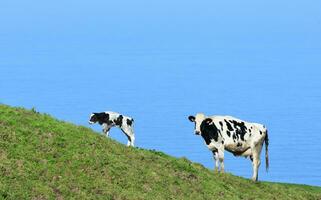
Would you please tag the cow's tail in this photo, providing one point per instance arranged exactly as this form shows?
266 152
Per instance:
266 141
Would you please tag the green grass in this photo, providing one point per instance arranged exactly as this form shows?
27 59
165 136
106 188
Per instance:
44 158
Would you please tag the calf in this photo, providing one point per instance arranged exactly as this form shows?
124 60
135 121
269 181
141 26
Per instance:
110 119
234 135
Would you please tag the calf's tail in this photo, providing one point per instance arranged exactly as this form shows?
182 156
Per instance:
266 141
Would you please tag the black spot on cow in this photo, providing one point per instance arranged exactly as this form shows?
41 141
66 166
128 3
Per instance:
214 151
240 127
240 134
109 122
260 132
129 122
228 133
250 130
250 134
234 136
234 124
222 142
229 127
101 118
119 121
221 123
209 131
239 144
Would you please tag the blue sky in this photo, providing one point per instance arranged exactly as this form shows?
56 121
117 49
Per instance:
108 26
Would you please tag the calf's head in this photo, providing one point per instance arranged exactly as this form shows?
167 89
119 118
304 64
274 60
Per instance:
197 119
93 118
98 117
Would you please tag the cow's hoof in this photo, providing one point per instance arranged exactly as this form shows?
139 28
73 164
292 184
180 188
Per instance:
254 179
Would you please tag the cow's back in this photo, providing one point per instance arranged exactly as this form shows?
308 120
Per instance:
238 134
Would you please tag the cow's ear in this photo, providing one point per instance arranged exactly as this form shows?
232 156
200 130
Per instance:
208 120
191 118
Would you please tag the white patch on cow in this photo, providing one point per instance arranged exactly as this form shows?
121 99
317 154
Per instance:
199 117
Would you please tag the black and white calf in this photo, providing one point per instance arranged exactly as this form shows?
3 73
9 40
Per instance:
110 119
234 135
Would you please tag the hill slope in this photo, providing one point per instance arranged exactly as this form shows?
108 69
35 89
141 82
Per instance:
43 158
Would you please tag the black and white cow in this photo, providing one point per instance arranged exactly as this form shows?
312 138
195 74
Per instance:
234 135
110 119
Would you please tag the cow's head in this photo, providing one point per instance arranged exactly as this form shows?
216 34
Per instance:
99 117
93 118
197 119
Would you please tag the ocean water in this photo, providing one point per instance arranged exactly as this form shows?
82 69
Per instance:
160 68
161 90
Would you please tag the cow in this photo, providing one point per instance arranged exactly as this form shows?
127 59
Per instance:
239 137
110 119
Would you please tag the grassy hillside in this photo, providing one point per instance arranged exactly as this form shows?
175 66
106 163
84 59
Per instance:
43 158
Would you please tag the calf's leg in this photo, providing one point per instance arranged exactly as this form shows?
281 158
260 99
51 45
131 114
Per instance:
130 136
106 131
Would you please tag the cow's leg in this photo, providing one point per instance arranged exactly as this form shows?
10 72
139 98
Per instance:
215 156
130 135
221 158
256 150
132 140
255 167
106 131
